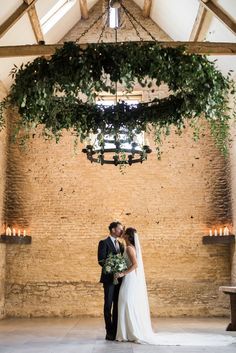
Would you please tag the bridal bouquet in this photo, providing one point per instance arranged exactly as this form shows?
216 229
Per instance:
115 264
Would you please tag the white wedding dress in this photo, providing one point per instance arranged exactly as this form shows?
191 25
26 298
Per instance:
134 321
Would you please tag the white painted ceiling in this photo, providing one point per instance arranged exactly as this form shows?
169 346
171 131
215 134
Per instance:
175 17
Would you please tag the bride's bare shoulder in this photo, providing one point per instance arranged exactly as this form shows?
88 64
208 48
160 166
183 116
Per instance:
130 249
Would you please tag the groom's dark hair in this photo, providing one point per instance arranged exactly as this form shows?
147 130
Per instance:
113 225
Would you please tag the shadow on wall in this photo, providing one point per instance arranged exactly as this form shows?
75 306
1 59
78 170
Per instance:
17 187
219 201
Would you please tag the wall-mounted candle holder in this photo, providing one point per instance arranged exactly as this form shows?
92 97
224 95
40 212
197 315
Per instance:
229 239
219 231
10 239
219 235
15 235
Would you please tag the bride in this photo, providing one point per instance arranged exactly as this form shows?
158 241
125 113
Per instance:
134 322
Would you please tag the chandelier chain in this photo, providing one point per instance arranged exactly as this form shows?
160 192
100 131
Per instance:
103 28
139 23
131 21
91 26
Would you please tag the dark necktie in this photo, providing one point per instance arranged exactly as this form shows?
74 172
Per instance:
117 246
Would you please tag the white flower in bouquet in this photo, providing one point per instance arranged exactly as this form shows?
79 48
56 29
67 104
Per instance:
108 269
115 264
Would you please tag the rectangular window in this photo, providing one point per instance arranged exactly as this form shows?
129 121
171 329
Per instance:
55 14
129 98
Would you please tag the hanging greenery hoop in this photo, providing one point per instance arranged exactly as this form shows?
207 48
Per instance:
51 92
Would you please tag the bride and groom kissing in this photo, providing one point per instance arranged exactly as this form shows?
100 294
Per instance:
126 307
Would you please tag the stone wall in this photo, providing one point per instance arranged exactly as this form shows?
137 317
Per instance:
3 140
66 203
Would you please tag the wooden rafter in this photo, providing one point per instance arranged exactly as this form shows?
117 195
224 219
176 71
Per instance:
35 23
201 24
34 20
220 14
20 11
84 9
147 8
207 48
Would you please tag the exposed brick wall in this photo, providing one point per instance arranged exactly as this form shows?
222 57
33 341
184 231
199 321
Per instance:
3 142
67 204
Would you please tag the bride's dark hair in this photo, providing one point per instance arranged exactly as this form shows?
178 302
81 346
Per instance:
130 232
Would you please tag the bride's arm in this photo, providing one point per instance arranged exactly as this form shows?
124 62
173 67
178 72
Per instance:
132 255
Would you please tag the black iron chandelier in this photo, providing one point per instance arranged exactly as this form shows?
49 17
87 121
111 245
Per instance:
117 148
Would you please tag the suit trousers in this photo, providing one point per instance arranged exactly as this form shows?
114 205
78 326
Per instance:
111 294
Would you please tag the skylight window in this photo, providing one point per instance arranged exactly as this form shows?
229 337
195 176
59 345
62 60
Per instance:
55 14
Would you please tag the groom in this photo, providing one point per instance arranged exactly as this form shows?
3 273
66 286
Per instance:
111 291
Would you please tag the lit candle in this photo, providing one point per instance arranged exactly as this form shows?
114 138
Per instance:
215 232
24 233
225 230
221 231
210 233
18 232
14 231
8 231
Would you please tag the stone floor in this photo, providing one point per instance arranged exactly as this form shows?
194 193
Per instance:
86 335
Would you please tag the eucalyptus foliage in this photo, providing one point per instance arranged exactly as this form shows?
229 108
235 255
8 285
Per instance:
48 91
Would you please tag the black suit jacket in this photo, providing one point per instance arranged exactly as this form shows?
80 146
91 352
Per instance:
106 247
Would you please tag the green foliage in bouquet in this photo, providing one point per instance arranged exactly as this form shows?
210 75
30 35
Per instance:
115 263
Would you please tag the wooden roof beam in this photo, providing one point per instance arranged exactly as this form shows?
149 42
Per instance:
35 23
84 9
220 14
147 8
201 24
206 48
198 23
20 11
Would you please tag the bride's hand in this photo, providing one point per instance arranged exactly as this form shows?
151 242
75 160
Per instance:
121 274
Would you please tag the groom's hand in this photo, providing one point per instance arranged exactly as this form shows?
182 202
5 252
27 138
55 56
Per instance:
119 275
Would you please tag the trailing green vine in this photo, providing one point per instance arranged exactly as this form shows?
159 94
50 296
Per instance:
60 92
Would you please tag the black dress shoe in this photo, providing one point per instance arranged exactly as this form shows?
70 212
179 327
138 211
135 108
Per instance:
110 337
